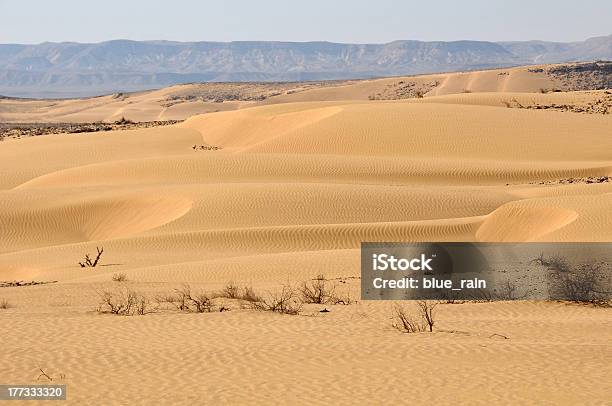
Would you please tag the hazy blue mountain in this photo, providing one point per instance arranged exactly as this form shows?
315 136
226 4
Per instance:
70 69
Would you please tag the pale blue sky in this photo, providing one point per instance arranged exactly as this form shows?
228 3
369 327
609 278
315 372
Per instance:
357 21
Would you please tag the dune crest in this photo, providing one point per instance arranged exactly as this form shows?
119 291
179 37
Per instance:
511 223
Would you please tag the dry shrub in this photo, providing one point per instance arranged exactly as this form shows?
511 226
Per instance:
230 291
584 283
173 300
427 312
119 277
185 300
144 305
248 294
123 121
321 291
88 262
4 304
482 295
509 291
317 291
125 302
405 322
284 301
554 262
343 299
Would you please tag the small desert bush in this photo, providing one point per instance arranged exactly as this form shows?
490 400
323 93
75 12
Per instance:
4 304
285 301
92 263
248 294
406 322
321 291
508 290
123 120
125 302
584 283
342 299
427 310
119 277
317 290
230 291
187 300
173 300
554 262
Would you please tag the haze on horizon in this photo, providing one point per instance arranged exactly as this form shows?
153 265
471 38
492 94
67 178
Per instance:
357 21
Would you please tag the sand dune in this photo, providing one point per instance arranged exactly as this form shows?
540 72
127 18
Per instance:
408 129
292 191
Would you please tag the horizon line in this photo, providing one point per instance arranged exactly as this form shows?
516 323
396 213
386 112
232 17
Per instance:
296 42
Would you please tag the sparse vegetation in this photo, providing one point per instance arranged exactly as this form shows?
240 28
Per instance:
322 291
119 277
88 262
344 299
589 180
125 302
13 284
600 105
508 291
4 304
582 75
186 300
199 302
427 312
206 147
23 130
554 262
586 283
404 90
405 322
317 290
123 121
284 301
249 295
231 291
287 300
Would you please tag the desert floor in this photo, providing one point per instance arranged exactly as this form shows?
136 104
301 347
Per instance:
292 191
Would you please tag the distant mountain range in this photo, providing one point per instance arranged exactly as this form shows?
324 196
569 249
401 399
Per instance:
73 69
